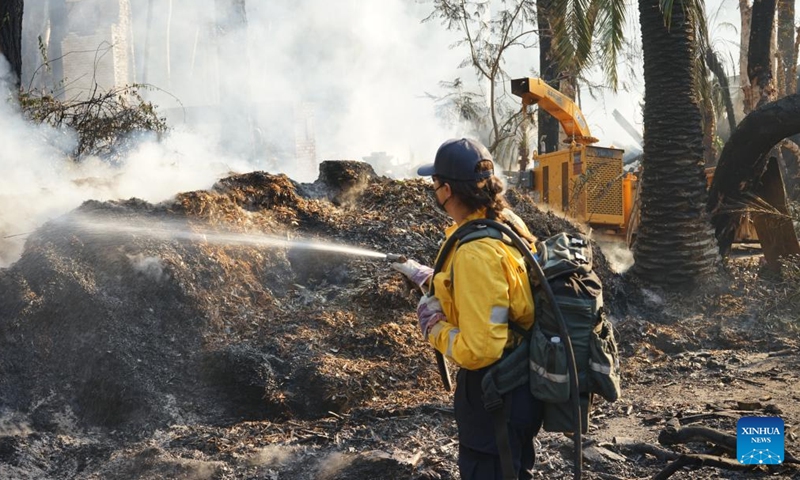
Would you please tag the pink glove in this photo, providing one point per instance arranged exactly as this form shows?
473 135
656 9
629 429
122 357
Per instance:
429 311
415 272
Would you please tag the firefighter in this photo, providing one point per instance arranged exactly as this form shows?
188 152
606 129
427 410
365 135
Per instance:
482 287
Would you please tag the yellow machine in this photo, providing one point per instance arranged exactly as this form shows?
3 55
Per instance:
588 182
584 181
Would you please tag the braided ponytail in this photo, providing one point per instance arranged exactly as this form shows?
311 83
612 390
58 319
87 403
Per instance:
487 194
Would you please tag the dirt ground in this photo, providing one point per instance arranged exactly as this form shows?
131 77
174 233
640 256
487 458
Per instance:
188 340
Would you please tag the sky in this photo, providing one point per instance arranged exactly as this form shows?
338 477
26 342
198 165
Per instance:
366 67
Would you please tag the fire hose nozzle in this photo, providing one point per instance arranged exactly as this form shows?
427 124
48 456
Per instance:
394 257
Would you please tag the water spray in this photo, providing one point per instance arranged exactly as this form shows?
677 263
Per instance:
182 231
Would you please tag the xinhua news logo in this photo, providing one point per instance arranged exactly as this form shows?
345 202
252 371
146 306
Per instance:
759 440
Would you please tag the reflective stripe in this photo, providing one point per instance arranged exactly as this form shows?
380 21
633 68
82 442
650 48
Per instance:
599 367
499 316
553 377
450 340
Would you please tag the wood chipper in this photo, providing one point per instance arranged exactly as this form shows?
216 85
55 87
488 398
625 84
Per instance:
589 183
585 181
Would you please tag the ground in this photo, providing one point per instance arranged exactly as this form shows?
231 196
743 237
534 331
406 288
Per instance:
188 339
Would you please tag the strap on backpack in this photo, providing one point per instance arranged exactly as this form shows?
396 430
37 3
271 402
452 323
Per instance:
466 232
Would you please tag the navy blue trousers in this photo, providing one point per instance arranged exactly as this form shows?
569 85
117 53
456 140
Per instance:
478 458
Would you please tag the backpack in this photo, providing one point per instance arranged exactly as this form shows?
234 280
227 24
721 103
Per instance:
566 261
571 346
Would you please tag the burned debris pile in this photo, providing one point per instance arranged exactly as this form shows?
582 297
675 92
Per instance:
209 337
132 316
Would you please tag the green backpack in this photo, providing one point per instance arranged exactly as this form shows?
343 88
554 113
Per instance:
566 261
544 359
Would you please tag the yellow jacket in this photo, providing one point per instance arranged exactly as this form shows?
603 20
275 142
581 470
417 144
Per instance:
489 287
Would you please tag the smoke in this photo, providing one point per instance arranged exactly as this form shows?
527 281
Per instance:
150 267
332 464
270 456
31 160
347 78
619 256
11 426
279 88
39 183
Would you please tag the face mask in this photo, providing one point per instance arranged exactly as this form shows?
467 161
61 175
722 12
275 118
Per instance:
436 200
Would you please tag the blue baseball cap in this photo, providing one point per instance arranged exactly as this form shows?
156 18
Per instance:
457 159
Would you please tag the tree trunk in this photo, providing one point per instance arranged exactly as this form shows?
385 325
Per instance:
11 36
675 244
742 159
35 22
787 53
148 34
232 42
235 98
523 145
786 46
548 71
712 60
746 13
57 13
759 56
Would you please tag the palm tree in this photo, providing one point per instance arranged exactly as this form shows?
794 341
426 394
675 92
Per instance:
572 36
675 243
740 171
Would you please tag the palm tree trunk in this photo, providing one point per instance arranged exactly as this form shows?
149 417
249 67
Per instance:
742 159
11 35
709 132
548 71
675 244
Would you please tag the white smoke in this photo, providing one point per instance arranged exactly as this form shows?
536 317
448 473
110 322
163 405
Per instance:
361 68
619 256
39 182
150 267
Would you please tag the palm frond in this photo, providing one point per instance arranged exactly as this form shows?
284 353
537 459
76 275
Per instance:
611 35
573 24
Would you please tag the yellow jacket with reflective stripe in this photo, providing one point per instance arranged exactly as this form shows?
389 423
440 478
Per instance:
489 287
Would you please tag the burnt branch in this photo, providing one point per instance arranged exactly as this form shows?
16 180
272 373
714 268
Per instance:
103 121
701 461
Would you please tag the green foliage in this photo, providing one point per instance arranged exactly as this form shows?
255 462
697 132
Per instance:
693 10
587 31
461 106
103 121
